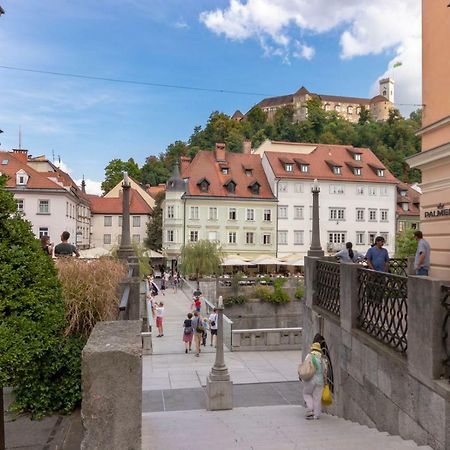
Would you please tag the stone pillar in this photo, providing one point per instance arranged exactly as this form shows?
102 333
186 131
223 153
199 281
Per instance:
112 387
125 249
425 317
315 249
349 285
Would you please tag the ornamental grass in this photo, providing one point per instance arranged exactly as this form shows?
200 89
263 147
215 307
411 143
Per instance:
90 292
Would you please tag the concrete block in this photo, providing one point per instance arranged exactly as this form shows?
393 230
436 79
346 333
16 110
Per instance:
370 365
273 338
147 347
112 386
410 429
219 395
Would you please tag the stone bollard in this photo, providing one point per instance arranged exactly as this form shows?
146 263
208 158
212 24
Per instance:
112 387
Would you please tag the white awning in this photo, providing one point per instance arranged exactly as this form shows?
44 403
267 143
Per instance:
235 260
92 253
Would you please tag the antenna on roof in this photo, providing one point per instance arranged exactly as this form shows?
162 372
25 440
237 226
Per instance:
53 156
59 160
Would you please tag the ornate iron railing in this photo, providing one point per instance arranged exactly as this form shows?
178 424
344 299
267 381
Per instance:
383 307
398 266
445 302
328 286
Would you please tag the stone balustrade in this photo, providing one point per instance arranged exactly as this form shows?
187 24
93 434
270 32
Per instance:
267 339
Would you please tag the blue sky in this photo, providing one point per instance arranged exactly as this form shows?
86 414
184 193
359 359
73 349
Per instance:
264 46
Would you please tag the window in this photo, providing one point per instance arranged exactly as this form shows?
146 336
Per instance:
250 214
358 110
193 213
204 186
357 170
44 207
349 110
337 214
248 172
232 237
372 190
136 238
405 206
304 168
282 212
298 237
336 238
327 107
225 170
336 170
232 214
267 215
359 214
357 156
298 212
213 236
119 221
360 235
288 167
21 179
359 190
266 239
107 239
107 221
385 235
282 237
372 236
43 231
170 236
170 211
384 215
384 191
212 213
282 187
337 108
255 188
403 193
372 215
19 203
137 221
380 172
249 238
336 189
193 236
298 187
231 187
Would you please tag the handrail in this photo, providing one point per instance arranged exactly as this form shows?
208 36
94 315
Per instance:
124 300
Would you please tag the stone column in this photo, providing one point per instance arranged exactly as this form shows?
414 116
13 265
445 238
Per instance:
315 249
349 285
125 249
219 387
425 317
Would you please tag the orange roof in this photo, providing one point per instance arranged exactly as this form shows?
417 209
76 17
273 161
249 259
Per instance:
36 180
321 160
153 191
205 166
412 197
113 205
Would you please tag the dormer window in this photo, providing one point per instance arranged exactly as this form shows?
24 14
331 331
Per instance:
225 170
5 162
302 165
336 170
231 186
249 172
405 206
203 185
357 156
403 193
380 172
357 170
21 178
288 167
254 187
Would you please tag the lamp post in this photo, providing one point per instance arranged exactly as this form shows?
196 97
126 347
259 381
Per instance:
315 249
125 249
219 387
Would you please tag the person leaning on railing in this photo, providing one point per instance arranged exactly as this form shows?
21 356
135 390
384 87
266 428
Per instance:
349 255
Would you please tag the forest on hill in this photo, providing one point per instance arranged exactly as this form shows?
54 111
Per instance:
392 141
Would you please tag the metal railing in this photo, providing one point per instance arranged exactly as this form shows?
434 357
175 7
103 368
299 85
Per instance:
328 286
383 307
398 266
445 302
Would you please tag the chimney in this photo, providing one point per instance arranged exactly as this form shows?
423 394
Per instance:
220 152
21 154
184 164
247 147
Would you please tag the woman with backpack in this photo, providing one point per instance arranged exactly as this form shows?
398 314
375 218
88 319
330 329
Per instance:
188 333
313 387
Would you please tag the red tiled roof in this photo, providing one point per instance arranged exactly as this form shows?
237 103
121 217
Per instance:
153 191
36 180
276 101
412 198
205 164
113 205
319 168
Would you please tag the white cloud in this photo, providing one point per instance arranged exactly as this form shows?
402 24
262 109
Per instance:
182 25
365 28
92 187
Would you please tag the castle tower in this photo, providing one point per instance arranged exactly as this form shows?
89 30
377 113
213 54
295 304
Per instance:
387 88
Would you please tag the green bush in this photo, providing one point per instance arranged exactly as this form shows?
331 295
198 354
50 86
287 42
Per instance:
299 291
235 300
36 358
263 292
277 295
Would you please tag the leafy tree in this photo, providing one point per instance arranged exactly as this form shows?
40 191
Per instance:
364 115
153 240
405 244
201 258
173 153
114 173
154 171
257 118
36 358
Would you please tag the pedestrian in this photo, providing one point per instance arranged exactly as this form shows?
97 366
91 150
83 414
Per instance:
348 254
197 304
205 331
163 284
65 249
188 333
160 318
312 389
197 325
174 282
422 258
377 256
46 245
213 322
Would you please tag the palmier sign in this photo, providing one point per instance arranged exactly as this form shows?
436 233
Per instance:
440 211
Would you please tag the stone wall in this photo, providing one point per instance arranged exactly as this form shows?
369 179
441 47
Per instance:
377 386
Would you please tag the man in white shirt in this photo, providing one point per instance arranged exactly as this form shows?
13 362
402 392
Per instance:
213 319
159 318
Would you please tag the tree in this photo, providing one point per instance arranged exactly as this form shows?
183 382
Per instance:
153 241
154 171
36 358
364 115
201 258
114 173
405 244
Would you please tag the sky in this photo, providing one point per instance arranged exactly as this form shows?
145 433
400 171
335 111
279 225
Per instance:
256 48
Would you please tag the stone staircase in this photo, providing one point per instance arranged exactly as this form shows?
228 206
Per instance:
262 428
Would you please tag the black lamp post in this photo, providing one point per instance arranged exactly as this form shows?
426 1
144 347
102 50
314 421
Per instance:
125 249
315 249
